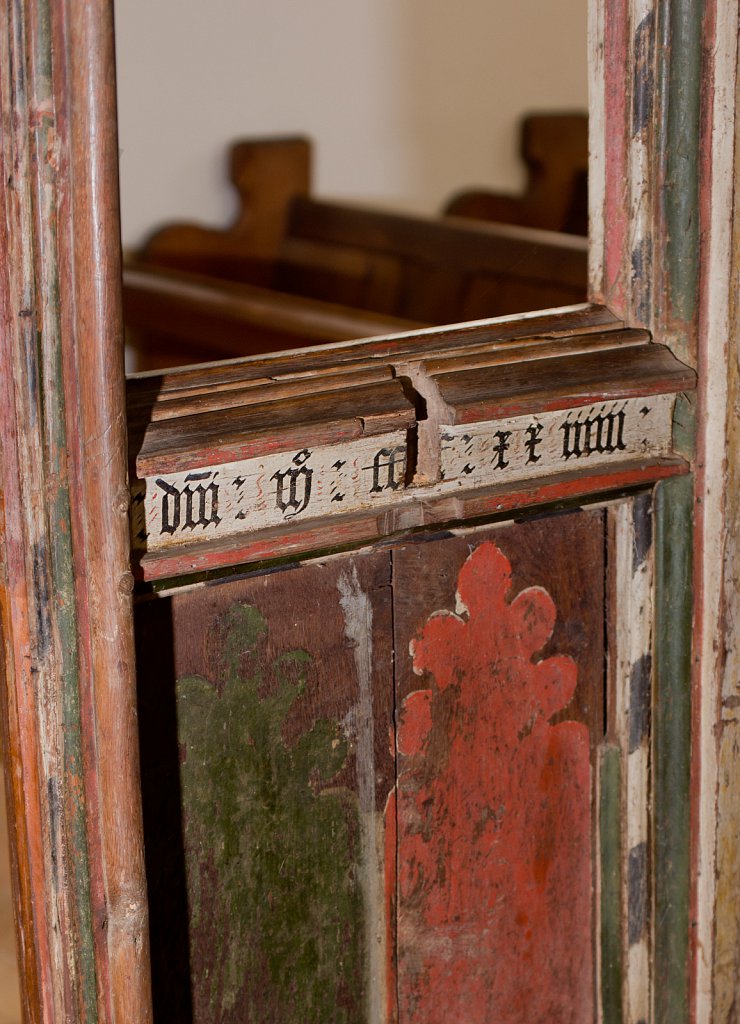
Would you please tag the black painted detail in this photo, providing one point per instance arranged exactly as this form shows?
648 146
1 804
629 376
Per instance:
643 529
200 505
388 469
637 893
601 433
499 461
533 439
640 689
293 491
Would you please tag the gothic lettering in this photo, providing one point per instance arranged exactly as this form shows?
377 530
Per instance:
293 492
201 504
388 469
533 439
499 462
602 433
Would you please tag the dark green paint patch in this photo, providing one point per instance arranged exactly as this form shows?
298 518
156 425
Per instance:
672 732
276 915
611 912
681 82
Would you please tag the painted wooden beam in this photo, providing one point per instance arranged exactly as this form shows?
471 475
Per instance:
65 584
286 444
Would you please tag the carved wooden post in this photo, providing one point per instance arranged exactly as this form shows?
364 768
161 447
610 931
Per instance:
663 189
65 585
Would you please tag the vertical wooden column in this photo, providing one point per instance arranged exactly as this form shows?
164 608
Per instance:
65 585
663 117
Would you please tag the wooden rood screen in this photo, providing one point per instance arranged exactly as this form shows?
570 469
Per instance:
378 685
411 749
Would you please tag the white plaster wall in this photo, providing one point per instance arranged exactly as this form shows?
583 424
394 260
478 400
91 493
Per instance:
407 100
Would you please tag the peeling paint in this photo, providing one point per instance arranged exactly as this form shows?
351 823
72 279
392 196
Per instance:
358 628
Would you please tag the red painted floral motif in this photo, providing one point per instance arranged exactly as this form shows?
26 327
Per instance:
491 864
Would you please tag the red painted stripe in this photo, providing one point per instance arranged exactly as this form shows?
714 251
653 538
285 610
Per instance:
616 120
703 398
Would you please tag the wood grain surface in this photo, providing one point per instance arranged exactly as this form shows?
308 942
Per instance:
10 993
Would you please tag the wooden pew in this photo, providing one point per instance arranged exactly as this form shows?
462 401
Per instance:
432 270
174 318
554 148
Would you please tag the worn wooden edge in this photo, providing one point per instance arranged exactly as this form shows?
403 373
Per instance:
33 678
564 382
206 394
218 399
715 950
20 741
178 445
721 334
228 423
97 428
415 513
668 191
483 354
632 642
582 318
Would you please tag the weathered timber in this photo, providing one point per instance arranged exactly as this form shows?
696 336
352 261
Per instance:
423 510
553 324
277 795
610 862
65 584
631 557
671 746
279 442
663 187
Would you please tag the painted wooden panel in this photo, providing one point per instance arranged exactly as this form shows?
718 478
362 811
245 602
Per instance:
215 501
490 864
265 715
367 800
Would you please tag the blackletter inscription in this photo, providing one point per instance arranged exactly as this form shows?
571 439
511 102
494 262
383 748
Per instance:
293 491
531 446
200 503
253 494
388 469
